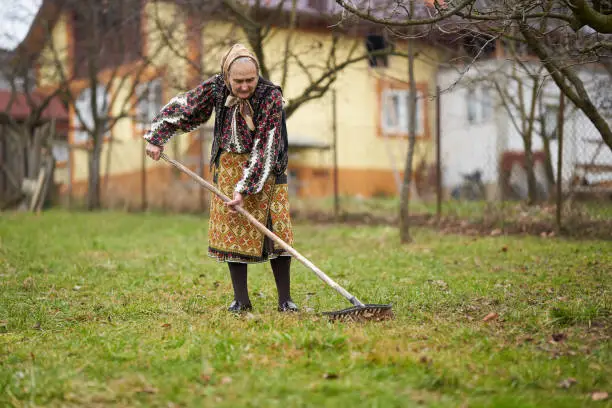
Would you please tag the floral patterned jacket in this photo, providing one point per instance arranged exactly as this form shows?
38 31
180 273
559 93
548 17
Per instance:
267 144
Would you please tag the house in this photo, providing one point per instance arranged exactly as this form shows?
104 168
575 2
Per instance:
479 133
366 129
21 115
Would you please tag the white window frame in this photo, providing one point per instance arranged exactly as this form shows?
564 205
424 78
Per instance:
395 116
551 111
478 104
60 153
149 101
83 106
486 104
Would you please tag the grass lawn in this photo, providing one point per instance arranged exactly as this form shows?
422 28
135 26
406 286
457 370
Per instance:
113 309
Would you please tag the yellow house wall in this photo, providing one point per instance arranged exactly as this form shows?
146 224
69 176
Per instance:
51 55
360 145
127 144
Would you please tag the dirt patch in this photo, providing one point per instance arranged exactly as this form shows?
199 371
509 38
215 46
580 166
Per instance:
581 229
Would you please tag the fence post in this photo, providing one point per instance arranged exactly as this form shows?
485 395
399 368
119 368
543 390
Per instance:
335 142
560 124
69 171
143 177
438 157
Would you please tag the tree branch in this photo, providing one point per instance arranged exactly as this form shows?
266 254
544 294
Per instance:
367 16
586 15
577 94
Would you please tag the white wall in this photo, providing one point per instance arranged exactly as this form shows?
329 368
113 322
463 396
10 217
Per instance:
465 146
469 146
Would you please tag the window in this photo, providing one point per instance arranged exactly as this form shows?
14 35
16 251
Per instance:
479 45
85 109
479 106
376 43
485 104
395 116
148 103
472 107
59 148
551 117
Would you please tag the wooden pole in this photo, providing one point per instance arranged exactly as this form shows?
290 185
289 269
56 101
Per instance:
335 142
69 171
560 120
143 177
3 187
438 157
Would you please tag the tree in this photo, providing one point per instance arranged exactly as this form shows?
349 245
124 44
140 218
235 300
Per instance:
406 184
258 22
25 132
563 34
108 57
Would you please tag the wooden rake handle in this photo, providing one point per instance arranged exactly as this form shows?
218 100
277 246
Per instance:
266 231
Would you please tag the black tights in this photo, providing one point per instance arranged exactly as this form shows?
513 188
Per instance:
280 267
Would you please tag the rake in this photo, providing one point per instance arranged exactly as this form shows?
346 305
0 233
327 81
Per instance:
359 311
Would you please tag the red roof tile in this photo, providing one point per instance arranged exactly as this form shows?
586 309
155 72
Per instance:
20 108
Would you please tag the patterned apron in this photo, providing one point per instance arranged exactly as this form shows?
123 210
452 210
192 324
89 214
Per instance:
231 237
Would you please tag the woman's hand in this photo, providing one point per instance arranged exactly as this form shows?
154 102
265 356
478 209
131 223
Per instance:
237 201
153 151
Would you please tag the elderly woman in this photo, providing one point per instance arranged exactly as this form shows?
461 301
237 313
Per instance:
248 162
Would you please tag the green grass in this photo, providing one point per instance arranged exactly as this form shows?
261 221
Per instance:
112 309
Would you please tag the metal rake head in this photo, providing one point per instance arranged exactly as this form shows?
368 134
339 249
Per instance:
362 313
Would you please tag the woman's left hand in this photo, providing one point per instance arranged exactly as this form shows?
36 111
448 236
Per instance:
237 201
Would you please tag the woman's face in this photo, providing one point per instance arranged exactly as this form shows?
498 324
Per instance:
243 78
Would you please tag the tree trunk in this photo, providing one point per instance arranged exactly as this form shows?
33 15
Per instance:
529 164
569 83
93 185
528 142
405 191
548 167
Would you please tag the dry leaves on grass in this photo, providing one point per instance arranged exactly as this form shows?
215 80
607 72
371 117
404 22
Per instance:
491 316
558 337
599 396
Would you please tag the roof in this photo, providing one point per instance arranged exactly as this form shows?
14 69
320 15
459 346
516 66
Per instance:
20 108
44 21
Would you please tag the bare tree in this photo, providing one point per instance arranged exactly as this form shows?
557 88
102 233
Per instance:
25 132
108 56
259 22
563 34
407 182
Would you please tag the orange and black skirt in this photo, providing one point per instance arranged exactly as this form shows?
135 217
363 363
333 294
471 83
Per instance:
231 237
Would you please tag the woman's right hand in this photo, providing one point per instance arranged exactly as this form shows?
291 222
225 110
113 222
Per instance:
153 151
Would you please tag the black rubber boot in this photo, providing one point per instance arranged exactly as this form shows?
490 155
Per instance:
281 268
238 273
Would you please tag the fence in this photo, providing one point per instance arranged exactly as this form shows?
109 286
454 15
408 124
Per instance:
486 184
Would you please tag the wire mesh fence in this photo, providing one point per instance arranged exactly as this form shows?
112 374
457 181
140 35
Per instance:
491 185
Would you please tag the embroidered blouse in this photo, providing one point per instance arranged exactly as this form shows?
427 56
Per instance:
186 111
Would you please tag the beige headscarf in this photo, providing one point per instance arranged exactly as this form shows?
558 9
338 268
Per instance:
244 107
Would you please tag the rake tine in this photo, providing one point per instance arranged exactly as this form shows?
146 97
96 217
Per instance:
368 312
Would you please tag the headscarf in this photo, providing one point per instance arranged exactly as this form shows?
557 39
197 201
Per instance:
244 107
